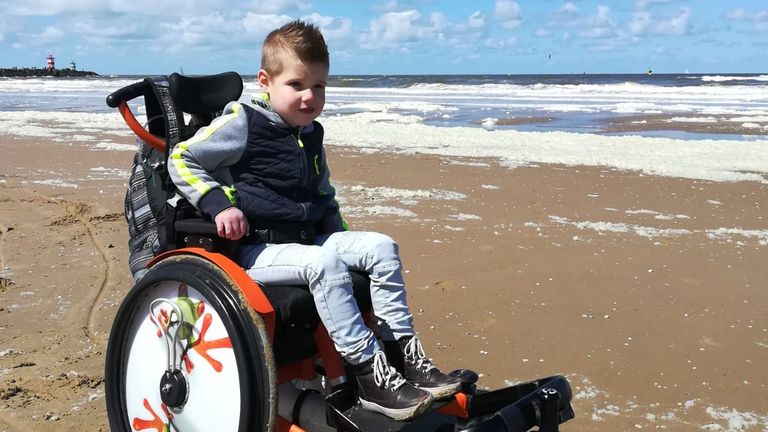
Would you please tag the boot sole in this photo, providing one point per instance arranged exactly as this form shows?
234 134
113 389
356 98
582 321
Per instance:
398 413
442 392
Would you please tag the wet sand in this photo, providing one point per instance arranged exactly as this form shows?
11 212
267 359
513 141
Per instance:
647 292
699 124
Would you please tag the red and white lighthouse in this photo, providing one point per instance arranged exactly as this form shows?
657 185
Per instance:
51 65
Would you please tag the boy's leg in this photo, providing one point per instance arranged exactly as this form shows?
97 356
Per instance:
330 284
378 255
381 387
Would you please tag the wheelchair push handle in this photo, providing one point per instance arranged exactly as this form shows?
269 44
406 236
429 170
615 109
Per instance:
119 99
127 93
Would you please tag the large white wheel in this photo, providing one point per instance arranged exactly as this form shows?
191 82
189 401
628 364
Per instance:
186 354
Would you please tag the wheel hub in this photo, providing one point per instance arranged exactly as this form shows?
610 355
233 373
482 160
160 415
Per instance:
174 390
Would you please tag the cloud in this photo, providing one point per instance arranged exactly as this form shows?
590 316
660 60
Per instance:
195 32
508 12
568 15
389 6
476 20
600 26
49 35
736 15
277 6
393 29
643 23
97 33
758 19
333 29
569 9
500 43
96 7
259 25
642 4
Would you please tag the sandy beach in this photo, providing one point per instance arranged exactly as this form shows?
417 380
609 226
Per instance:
647 292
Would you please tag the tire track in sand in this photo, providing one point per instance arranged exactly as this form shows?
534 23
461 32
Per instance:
78 211
4 230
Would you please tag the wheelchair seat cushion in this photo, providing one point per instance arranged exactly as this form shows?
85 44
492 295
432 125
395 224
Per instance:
297 318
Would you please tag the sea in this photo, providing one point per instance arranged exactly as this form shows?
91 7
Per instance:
572 103
480 116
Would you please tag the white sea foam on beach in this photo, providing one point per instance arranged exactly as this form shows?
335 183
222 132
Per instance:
114 146
74 138
728 233
721 234
464 217
378 210
56 183
720 160
713 160
387 193
350 106
656 215
57 124
694 119
102 173
677 416
734 420
382 117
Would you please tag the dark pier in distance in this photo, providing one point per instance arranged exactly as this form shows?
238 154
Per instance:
40 72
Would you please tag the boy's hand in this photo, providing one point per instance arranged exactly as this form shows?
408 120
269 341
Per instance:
231 224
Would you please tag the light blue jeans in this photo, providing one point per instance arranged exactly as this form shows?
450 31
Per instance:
325 267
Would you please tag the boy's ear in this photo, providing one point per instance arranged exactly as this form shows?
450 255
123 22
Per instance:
263 79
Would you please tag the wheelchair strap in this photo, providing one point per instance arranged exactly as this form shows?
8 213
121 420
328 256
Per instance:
162 105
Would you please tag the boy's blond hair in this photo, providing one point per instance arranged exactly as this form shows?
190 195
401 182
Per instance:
298 40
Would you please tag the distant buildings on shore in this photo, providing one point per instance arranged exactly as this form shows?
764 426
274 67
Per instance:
49 70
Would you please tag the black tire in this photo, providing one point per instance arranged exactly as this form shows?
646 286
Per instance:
135 361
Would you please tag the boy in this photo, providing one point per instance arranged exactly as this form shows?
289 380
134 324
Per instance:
261 165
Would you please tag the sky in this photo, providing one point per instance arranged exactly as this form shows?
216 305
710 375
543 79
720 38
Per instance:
393 36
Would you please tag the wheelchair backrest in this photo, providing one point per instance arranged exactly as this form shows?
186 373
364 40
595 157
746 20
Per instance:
151 204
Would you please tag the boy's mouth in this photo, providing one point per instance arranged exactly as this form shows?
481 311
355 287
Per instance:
306 110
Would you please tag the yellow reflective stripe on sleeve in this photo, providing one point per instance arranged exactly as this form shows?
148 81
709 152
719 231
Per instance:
229 191
184 171
178 162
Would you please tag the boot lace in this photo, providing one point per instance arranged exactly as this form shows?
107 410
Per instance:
414 353
385 375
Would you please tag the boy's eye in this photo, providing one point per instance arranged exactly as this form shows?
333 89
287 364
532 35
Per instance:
295 84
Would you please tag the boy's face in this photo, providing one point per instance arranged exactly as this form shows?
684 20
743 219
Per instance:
298 92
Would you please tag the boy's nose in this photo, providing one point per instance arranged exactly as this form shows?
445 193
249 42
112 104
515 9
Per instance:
307 95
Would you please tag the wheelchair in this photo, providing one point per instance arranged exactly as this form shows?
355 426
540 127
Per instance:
197 345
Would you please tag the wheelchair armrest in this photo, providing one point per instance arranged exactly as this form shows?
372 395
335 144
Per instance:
196 226
196 232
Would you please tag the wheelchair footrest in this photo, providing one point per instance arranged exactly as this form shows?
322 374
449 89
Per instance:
543 404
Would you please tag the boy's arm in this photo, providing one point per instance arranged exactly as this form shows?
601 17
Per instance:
332 220
194 163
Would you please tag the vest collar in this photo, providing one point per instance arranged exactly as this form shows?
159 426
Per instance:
261 104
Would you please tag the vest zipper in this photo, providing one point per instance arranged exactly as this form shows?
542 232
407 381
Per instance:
304 164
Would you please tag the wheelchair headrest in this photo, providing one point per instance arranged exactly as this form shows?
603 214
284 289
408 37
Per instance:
205 94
